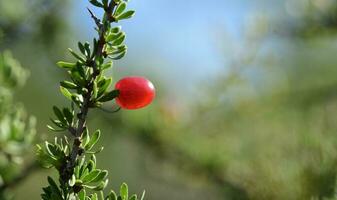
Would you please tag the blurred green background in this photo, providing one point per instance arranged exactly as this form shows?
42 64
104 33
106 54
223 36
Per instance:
246 103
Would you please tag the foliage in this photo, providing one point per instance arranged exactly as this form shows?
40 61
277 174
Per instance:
17 130
87 88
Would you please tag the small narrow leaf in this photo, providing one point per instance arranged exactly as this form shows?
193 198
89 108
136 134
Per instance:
76 55
100 177
101 186
143 196
116 29
105 2
114 36
68 115
96 3
104 86
66 65
112 195
126 15
120 8
94 139
119 40
95 152
124 191
91 176
94 90
133 197
68 84
72 180
85 138
121 55
109 96
87 48
82 195
107 65
81 47
59 114
53 129
66 92
59 124
94 196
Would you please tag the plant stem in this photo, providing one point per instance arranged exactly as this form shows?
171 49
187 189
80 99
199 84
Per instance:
67 170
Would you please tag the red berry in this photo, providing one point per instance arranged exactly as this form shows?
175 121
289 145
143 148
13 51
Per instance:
134 92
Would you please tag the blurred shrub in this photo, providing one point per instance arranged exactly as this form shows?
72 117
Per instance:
17 130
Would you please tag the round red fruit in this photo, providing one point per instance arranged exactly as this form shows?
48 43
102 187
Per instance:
134 92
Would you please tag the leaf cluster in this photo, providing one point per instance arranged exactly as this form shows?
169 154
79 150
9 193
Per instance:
86 88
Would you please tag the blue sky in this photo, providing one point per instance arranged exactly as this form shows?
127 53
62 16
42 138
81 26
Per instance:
173 39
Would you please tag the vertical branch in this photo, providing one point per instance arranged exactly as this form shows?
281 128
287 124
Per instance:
76 151
89 89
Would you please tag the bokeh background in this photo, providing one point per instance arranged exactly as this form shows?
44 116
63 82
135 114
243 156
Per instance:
246 105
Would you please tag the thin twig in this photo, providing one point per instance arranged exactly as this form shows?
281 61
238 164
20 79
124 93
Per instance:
67 170
111 111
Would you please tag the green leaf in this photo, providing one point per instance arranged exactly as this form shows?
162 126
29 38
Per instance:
96 3
107 65
117 52
126 15
66 93
72 180
143 196
77 171
101 186
77 99
94 196
95 152
59 114
93 158
103 86
81 195
76 55
112 195
94 139
81 47
91 165
87 48
53 129
76 76
54 186
94 90
133 197
119 40
100 177
91 176
116 29
80 70
66 65
50 149
120 8
121 55
109 96
114 36
68 115
59 124
85 138
124 191
84 171
105 2
68 84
